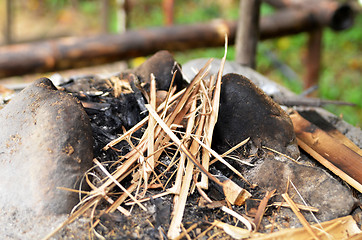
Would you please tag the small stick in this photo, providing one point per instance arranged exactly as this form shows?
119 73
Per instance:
150 162
186 233
193 226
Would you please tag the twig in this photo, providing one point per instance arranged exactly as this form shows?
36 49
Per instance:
193 226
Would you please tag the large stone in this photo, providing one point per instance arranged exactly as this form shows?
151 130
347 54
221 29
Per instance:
246 111
45 143
318 188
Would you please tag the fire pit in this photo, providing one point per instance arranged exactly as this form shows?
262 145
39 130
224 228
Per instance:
163 152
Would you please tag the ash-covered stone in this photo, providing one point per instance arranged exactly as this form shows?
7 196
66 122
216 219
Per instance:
246 111
45 143
318 188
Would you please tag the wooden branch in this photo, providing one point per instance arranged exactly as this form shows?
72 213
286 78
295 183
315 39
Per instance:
73 52
247 34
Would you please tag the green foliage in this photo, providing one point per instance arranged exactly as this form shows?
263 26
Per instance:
88 7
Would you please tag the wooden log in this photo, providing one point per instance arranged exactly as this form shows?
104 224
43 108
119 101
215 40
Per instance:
334 12
313 58
247 34
73 52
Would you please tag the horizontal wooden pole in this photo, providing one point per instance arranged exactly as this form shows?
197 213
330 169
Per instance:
73 52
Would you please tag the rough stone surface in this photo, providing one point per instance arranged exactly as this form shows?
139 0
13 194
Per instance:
246 111
269 87
317 187
45 143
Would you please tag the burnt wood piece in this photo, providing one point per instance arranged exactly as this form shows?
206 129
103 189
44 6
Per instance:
73 52
315 118
246 111
342 157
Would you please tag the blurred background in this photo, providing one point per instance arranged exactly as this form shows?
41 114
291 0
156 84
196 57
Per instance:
281 59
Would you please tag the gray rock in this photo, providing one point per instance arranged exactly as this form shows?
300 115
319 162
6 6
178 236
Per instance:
271 88
317 187
45 143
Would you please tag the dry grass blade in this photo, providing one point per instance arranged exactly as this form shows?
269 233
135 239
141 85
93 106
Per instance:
239 217
180 200
242 143
234 232
301 207
261 209
301 218
142 122
179 143
174 229
121 199
118 184
282 154
150 162
74 216
213 118
218 157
